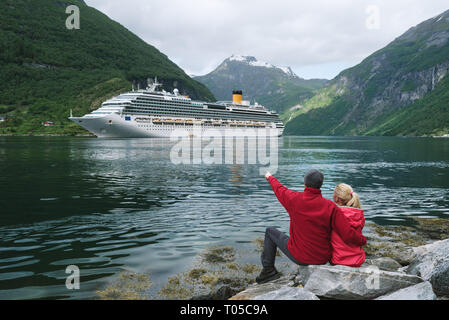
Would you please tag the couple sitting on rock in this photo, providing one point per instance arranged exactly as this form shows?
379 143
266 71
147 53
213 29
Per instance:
321 231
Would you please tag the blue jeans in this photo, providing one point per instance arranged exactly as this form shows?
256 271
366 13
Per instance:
275 239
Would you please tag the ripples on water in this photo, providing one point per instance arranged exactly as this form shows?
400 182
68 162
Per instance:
109 205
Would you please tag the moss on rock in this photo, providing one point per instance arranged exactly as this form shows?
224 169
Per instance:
128 286
215 267
218 254
434 228
397 241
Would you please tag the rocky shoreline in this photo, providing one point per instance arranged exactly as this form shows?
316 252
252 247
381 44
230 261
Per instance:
403 263
426 278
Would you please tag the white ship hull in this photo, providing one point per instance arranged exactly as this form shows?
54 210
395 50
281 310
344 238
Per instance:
115 126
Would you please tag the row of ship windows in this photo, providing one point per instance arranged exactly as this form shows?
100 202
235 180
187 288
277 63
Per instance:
187 125
184 106
203 111
185 103
196 115
165 102
182 100
164 106
219 114
149 106
166 128
214 119
157 105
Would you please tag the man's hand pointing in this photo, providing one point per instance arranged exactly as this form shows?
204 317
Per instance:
267 175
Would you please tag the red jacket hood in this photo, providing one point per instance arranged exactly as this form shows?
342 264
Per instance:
355 216
347 254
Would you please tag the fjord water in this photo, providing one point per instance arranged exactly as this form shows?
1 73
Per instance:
121 204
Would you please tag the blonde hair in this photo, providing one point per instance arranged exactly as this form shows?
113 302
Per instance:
347 195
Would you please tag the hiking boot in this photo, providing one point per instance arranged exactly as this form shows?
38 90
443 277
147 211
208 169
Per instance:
267 274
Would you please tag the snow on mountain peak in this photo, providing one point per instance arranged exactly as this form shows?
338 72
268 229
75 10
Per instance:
257 63
239 58
288 71
251 61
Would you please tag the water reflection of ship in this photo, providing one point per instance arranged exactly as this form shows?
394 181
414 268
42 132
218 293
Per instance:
237 178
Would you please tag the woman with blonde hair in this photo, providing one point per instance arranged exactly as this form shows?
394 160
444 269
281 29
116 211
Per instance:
349 203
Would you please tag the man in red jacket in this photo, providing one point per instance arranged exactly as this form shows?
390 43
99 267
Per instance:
312 219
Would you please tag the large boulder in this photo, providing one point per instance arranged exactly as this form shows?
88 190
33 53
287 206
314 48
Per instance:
256 290
384 263
288 293
420 291
346 283
431 263
222 293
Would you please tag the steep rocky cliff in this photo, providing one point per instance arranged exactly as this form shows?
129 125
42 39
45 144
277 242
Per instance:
374 96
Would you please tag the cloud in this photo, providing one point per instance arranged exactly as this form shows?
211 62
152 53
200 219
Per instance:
322 35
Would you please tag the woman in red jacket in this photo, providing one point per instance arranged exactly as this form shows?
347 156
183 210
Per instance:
343 253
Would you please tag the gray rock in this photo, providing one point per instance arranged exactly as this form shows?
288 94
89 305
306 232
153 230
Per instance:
431 262
438 39
298 281
340 282
255 289
288 293
223 293
421 291
403 269
387 264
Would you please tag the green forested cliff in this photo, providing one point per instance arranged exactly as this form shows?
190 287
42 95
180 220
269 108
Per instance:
46 69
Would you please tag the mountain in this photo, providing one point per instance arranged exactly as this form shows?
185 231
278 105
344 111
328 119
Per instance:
46 69
401 89
277 88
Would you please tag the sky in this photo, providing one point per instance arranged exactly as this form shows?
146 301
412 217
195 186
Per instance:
316 38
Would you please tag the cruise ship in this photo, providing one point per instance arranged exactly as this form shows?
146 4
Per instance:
152 112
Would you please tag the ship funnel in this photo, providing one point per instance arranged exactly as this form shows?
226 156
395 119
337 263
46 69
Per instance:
237 96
